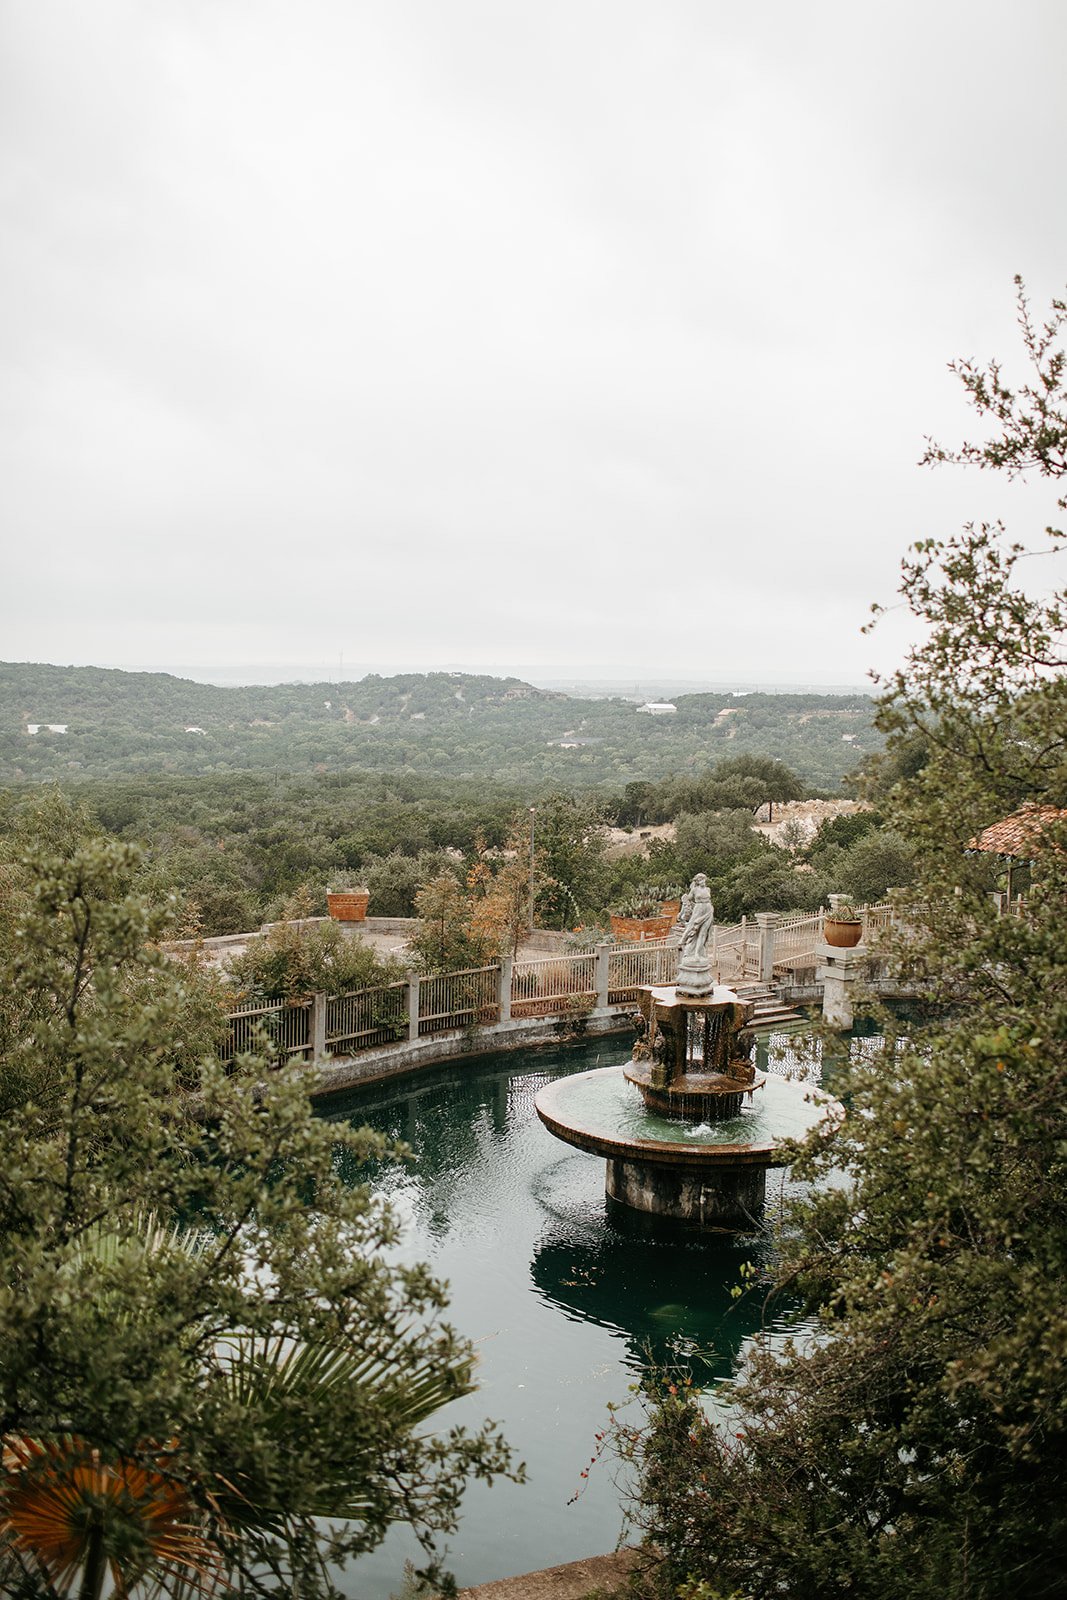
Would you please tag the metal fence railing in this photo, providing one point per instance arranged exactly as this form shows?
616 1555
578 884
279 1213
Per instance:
876 919
458 1000
633 967
543 986
366 1017
795 939
276 1031
735 951
547 985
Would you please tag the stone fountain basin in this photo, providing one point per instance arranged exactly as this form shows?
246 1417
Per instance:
600 1111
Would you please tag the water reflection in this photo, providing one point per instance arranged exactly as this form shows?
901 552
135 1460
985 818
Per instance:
567 1302
670 1299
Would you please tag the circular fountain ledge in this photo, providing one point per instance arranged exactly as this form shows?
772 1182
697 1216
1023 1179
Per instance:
712 1174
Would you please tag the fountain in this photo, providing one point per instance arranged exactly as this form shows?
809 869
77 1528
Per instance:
695 1140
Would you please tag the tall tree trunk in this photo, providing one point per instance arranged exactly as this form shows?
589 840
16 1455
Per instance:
95 1564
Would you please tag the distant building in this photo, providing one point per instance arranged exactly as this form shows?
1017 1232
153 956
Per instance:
659 708
1017 841
196 730
1020 836
49 727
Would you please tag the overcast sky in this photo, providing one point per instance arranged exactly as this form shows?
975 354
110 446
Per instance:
584 332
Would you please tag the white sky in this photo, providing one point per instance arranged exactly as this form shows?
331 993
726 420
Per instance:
475 331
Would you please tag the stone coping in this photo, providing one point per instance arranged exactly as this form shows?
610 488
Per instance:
542 941
337 1073
550 1105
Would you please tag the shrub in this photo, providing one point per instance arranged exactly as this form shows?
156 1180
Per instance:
292 960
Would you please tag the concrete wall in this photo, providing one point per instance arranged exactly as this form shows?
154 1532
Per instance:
542 941
524 1033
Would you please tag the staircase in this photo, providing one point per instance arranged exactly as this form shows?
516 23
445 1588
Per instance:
771 1010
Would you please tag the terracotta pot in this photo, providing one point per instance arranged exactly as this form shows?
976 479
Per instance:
348 905
632 930
842 932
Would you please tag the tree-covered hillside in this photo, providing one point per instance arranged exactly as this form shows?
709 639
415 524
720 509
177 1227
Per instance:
437 724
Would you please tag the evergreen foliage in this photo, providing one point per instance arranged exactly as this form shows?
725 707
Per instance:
293 960
447 724
917 1445
213 1370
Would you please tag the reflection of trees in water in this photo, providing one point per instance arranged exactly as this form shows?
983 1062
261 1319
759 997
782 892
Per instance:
670 1296
435 1112
818 1058
455 1120
436 1117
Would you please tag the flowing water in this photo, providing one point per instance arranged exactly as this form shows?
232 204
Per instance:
567 1305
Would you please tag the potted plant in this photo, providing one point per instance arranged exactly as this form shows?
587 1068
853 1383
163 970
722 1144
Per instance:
649 913
347 905
842 926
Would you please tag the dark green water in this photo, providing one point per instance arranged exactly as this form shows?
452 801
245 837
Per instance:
565 1303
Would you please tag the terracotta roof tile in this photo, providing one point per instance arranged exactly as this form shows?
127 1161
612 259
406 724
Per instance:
1020 834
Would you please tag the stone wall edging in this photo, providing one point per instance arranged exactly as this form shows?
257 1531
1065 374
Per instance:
806 994
392 1061
543 940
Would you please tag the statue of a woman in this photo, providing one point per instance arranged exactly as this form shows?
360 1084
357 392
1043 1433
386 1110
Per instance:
698 921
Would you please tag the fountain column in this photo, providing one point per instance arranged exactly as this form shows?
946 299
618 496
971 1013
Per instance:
731 1197
691 1065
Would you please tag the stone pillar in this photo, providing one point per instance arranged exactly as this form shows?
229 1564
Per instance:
413 1006
317 1027
839 972
603 956
504 987
768 922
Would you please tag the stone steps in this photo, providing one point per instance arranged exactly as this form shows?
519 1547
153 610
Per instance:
771 1010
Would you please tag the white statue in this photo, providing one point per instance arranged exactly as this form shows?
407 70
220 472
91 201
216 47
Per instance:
697 918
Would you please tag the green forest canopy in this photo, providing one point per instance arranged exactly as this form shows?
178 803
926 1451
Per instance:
444 724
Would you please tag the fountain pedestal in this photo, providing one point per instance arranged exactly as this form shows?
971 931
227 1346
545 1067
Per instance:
710 1175
725 1197
687 1128
698 1149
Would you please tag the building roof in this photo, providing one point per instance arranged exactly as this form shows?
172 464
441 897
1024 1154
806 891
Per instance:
1020 834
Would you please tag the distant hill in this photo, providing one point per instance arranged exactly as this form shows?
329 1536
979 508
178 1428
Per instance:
455 724
35 692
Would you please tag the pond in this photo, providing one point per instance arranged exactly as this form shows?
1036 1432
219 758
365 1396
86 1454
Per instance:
566 1304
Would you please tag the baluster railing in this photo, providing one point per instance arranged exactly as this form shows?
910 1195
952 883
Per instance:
464 999
550 985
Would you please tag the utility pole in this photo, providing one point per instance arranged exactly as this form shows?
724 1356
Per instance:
533 816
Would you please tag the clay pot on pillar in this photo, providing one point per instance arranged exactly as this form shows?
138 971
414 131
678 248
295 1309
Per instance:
347 905
843 932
